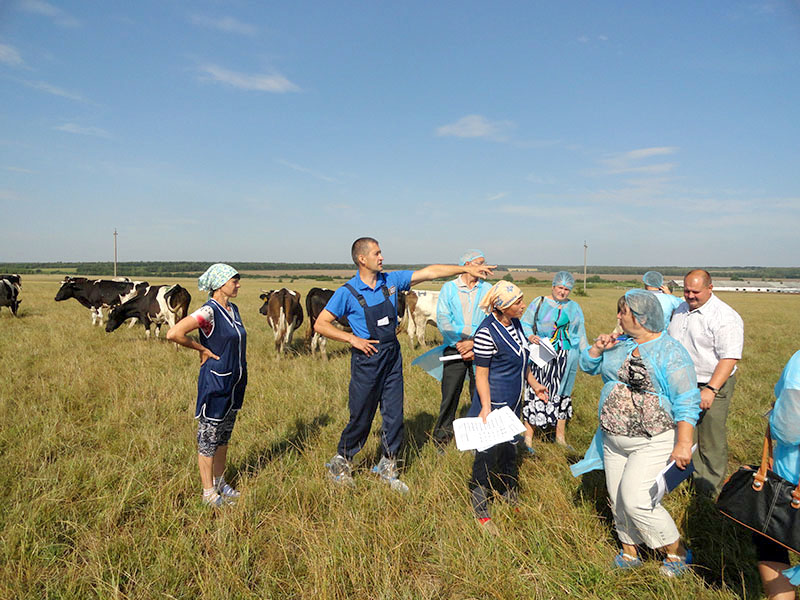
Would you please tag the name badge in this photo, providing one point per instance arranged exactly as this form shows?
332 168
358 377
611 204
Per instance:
383 322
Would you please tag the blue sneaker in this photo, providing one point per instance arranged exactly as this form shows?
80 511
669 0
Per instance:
678 565
626 561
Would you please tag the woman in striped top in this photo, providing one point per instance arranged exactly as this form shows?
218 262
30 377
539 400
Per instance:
501 369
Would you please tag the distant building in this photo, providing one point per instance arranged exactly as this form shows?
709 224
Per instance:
768 287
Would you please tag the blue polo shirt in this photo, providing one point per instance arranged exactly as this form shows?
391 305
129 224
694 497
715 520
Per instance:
343 303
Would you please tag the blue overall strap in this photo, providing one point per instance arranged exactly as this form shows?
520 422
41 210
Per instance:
371 328
356 295
360 298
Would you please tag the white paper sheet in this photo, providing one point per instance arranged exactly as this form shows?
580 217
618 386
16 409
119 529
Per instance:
450 357
502 425
542 353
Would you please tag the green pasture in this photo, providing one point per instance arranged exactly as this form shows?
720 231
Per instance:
100 496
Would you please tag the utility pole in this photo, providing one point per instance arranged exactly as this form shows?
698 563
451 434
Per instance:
585 247
115 252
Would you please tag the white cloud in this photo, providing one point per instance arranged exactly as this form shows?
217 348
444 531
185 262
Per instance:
224 24
476 126
10 56
497 196
306 170
45 9
78 129
55 91
585 39
275 82
539 179
627 162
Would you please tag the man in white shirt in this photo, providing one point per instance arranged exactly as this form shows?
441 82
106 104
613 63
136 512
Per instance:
713 334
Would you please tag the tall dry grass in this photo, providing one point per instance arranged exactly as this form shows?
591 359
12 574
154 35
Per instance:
100 494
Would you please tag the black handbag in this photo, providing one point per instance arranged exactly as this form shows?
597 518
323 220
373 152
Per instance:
761 500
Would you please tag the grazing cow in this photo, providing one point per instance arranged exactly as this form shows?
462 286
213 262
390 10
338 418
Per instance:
156 304
420 310
316 300
13 279
9 293
97 294
284 313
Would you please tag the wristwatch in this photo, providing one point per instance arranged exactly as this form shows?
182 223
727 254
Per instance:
713 389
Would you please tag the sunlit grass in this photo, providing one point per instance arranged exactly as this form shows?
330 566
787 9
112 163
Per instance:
100 493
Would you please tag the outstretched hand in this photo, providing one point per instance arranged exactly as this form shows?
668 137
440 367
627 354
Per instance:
480 271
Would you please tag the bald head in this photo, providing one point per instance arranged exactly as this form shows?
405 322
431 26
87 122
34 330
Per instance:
702 274
697 288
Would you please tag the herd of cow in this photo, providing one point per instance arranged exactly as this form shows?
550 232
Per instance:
167 304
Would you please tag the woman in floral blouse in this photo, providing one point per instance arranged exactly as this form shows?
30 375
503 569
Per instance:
648 409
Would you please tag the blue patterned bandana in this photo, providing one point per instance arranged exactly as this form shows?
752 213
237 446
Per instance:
215 277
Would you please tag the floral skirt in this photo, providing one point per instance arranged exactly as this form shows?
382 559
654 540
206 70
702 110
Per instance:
545 414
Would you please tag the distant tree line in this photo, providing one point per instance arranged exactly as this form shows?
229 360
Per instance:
194 268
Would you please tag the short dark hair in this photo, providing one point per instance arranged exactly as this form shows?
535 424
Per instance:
621 303
361 246
704 276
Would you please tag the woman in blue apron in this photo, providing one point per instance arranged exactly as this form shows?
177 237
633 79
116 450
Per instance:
223 376
501 370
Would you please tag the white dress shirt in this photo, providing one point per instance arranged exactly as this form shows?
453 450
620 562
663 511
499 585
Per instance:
709 333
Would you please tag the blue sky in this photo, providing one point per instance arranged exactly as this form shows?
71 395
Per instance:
662 133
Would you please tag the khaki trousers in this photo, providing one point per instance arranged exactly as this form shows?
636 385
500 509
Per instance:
711 436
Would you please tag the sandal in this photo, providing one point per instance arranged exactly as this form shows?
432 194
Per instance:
626 561
675 565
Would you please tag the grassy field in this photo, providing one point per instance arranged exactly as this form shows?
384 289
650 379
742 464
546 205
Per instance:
100 492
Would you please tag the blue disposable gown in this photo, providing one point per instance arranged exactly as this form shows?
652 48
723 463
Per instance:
668 304
784 424
575 339
450 320
671 370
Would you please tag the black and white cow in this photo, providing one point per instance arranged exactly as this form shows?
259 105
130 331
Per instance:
9 292
316 299
156 304
284 313
13 278
97 294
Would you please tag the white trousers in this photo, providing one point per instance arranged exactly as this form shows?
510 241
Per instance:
631 465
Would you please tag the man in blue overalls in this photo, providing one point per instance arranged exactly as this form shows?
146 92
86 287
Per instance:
369 301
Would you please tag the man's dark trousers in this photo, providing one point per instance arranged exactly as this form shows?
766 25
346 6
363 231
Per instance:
453 375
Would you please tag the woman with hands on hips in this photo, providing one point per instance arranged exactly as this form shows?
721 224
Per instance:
222 379
648 408
501 370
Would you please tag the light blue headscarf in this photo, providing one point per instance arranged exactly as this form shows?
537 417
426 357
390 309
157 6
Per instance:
646 308
564 278
470 255
215 277
653 279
